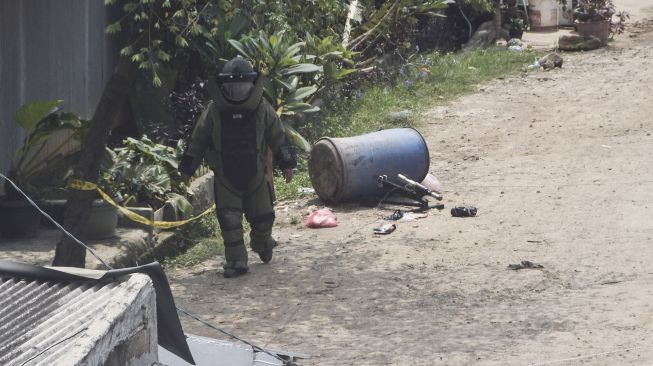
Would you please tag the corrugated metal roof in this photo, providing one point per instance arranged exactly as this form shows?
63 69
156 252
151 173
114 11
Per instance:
41 320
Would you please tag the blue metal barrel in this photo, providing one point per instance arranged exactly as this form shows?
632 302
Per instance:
348 168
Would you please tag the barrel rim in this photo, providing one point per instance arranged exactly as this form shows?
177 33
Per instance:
341 179
428 154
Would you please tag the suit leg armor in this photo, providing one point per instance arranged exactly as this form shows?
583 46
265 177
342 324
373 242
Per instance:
260 214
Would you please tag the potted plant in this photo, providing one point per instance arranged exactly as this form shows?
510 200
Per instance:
516 29
595 18
145 174
35 162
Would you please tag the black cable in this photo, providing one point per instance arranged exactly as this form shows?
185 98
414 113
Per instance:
52 345
254 347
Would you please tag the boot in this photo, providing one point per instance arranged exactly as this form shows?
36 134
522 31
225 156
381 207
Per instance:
232 270
266 256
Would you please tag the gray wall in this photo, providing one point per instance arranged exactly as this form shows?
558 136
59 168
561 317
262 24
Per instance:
51 50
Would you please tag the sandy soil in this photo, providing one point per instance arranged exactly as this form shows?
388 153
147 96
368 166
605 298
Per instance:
559 165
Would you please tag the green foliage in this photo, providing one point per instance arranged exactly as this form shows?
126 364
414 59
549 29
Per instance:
42 120
285 191
161 31
202 238
145 172
481 6
30 114
393 25
280 59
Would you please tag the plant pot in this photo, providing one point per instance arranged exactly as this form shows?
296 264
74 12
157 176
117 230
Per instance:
600 30
516 33
543 15
54 208
18 219
102 221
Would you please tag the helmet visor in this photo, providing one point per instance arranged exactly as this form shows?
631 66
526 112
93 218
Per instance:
237 91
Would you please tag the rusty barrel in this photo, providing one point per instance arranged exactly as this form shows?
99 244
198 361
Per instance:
347 168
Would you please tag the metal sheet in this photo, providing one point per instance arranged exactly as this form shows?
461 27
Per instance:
213 352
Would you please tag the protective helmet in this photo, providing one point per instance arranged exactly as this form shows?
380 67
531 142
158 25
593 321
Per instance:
237 79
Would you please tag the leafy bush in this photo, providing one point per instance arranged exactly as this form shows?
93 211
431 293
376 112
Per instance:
144 172
42 120
185 107
393 26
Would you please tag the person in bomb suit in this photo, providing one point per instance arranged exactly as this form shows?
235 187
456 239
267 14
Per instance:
233 135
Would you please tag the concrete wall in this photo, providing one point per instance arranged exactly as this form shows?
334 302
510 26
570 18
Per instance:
78 323
51 50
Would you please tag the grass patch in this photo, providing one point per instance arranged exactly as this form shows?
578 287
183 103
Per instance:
201 238
293 190
426 81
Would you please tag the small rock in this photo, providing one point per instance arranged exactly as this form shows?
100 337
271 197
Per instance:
516 48
515 42
551 61
401 116
578 43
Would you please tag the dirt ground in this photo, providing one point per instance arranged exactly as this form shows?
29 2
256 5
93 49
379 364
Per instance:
558 164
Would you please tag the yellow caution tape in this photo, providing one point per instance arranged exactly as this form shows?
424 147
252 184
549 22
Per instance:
88 186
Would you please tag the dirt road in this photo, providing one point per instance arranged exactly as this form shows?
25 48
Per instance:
559 165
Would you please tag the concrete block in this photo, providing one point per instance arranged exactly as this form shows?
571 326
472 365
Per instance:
78 323
147 212
204 194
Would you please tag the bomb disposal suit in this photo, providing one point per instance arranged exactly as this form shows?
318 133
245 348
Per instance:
233 135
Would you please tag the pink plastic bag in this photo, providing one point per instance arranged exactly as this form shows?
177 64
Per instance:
322 218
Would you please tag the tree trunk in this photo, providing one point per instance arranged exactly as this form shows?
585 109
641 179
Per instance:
497 19
68 253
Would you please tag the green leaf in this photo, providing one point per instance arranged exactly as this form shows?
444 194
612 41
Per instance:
294 81
181 204
335 54
113 28
285 84
301 69
129 7
126 51
29 115
164 56
302 107
344 72
303 93
156 81
240 48
331 70
237 24
297 139
181 41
